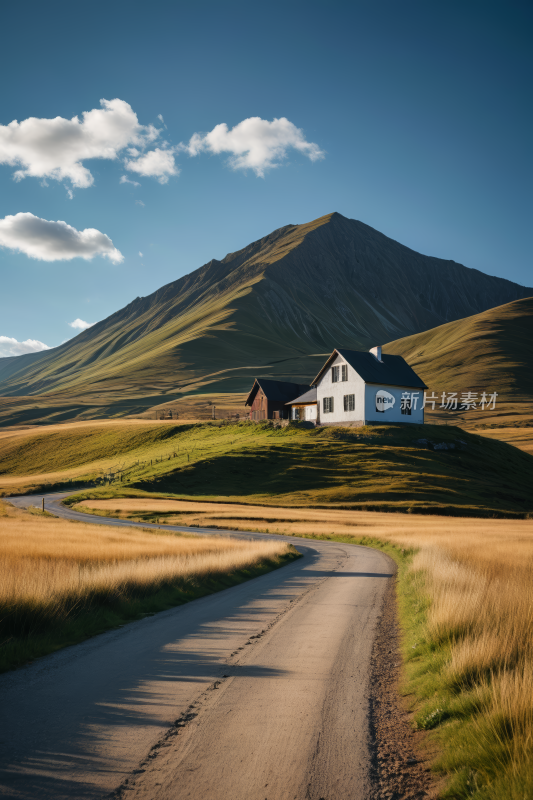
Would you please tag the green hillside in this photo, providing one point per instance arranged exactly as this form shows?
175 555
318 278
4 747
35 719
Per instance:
275 308
431 469
488 352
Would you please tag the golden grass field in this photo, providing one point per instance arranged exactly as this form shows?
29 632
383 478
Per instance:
475 578
46 560
53 569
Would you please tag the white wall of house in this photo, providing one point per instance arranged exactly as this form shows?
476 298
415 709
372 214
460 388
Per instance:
393 412
354 385
364 399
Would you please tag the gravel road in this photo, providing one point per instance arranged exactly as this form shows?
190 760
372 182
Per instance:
259 692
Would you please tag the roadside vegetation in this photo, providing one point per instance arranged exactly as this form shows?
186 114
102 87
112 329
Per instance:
465 589
428 468
65 581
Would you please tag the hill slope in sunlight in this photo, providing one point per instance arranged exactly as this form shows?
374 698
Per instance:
487 351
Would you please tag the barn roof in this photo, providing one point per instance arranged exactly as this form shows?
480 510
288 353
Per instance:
276 391
390 371
308 397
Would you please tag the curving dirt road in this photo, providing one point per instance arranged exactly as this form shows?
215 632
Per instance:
259 692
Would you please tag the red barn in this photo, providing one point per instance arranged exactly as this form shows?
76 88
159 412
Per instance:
268 398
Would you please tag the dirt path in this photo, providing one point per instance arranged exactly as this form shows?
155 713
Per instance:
258 692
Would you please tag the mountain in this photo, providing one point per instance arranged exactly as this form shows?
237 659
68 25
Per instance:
488 351
274 308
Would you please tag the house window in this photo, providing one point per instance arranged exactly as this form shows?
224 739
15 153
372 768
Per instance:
349 402
327 405
344 372
296 413
334 374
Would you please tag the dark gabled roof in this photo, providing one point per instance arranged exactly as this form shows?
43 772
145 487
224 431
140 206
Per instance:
308 397
391 370
276 391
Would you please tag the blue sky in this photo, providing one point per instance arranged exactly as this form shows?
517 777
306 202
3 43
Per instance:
420 114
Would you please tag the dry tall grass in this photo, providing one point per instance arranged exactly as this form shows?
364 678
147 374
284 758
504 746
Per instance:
478 577
52 570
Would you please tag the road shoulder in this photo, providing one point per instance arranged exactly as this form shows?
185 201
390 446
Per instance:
401 757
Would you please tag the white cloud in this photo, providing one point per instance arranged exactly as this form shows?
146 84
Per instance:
156 163
70 194
81 325
141 255
139 203
254 143
123 179
10 347
54 241
160 118
55 148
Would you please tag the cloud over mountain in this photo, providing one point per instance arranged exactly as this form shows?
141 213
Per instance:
11 347
55 148
54 241
80 324
254 143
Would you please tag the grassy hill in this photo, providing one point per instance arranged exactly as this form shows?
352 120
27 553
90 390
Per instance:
491 349
274 308
431 469
488 352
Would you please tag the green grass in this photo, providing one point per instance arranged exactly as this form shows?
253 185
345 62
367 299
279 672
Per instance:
97 447
372 468
30 633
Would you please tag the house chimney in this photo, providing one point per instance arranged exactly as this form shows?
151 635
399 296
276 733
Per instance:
376 351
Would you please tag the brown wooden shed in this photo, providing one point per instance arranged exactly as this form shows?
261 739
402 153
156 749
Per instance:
268 398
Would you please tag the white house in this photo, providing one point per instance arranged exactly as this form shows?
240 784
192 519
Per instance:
363 387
